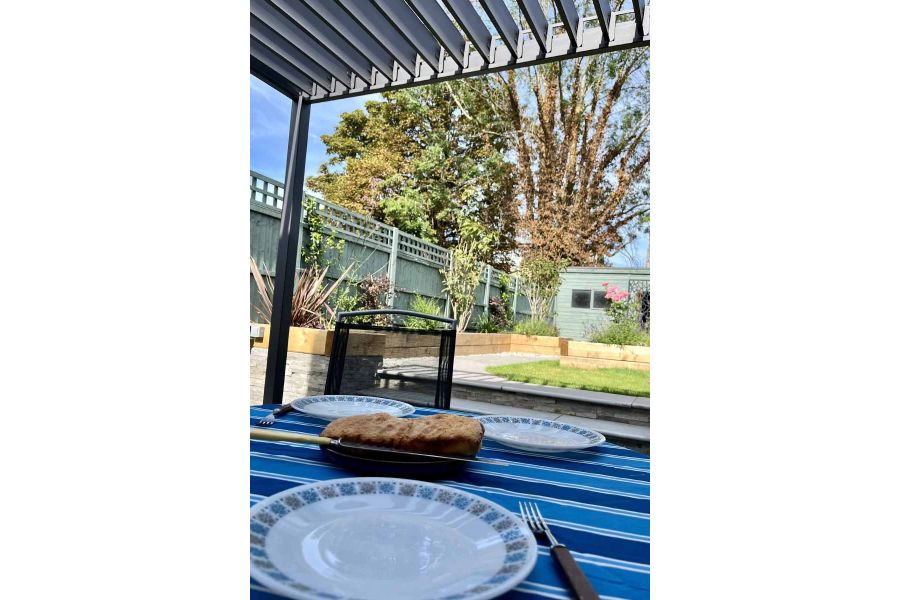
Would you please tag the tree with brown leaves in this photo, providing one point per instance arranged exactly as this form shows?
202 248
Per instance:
581 139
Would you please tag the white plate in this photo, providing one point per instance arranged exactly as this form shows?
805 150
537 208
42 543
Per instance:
541 435
380 538
337 406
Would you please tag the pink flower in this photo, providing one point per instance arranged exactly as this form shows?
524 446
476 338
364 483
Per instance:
605 283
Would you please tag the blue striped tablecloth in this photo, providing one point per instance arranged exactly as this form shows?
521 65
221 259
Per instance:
596 501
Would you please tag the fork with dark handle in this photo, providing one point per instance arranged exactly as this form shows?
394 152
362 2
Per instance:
269 419
580 584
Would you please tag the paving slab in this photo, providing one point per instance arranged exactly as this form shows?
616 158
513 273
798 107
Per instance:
640 402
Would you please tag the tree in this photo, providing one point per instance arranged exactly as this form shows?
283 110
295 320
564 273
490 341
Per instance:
418 161
582 157
461 277
541 277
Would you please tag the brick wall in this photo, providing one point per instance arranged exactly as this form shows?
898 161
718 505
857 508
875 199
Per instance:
305 374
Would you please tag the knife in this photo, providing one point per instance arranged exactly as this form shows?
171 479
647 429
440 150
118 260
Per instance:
302 438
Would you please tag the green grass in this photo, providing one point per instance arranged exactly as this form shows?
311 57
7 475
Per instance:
631 382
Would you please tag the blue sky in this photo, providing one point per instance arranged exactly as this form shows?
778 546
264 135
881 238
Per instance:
270 115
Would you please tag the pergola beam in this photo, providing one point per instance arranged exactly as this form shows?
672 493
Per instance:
569 15
638 17
593 42
503 22
381 30
290 53
537 21
442 28
413 31
604 12
349 30
306 22
278 67
474 27
265 73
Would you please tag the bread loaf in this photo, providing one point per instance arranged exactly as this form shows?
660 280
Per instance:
452 435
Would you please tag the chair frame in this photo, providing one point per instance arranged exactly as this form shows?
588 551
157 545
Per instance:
445 360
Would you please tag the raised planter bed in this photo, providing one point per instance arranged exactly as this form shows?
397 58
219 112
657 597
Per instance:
535 344
588 355
411 345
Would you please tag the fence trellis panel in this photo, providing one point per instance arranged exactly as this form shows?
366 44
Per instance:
367 244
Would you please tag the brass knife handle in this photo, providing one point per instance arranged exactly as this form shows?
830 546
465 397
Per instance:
258 433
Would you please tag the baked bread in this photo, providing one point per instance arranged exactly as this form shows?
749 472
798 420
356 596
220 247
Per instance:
452 435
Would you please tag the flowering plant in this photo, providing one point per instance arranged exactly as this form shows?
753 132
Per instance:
620 309
615 294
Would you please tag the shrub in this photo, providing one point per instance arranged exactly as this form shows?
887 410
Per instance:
429 306
535 327
373 291
485 324
625 327
345 300
622 333
460 280
498 313
542 278
309 304
321 250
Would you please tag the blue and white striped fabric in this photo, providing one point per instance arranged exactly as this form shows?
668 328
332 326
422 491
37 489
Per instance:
596 501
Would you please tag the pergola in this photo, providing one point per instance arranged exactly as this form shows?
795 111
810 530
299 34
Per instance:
321 50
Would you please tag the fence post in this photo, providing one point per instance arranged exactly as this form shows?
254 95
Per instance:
303 221
487 288
392 265
447 304
516 298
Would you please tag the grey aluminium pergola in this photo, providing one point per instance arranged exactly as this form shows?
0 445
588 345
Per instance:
321 50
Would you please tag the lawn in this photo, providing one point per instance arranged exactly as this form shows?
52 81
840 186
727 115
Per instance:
631 382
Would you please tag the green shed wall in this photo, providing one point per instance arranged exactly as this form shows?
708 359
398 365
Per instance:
573 322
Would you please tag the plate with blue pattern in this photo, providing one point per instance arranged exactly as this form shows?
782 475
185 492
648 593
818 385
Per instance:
538 435
341 405
381 538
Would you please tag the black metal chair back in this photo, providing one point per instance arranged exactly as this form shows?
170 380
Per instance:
356 320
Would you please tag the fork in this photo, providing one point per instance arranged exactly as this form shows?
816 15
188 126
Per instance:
532 516
269 419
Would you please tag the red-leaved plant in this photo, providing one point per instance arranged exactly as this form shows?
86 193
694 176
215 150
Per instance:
309 302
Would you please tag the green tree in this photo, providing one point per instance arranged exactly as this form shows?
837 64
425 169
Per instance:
419 160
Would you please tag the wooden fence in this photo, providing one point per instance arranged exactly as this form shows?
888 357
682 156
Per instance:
412 264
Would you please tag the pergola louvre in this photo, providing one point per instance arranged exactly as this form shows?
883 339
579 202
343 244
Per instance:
321 50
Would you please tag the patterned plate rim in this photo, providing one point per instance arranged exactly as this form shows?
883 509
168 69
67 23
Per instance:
594 438
300 404
521 546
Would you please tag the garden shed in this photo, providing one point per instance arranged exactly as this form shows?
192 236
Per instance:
581 303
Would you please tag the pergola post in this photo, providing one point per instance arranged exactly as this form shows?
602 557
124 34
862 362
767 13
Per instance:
286 261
